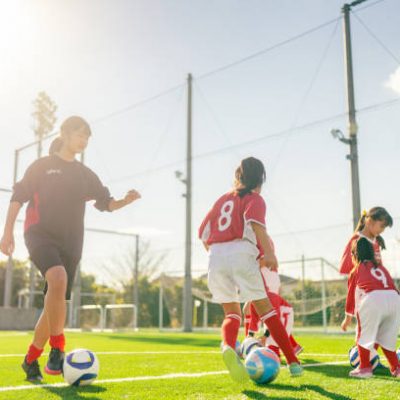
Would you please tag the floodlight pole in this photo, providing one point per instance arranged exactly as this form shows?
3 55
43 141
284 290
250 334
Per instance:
187 291
351 113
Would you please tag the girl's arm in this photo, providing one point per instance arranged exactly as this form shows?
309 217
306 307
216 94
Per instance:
350 302
270 259
7 243
129 198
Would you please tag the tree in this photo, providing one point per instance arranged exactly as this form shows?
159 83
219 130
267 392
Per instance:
44 117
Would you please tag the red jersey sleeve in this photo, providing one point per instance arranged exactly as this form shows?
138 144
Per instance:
346 262
205 227
255 210
351 293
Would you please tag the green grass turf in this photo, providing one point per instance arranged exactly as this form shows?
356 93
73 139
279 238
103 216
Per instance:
322 382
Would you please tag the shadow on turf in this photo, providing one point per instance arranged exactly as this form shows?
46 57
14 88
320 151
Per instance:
252 394
342 371
74 393
181 341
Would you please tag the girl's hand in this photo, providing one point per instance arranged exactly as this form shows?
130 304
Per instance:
346 322
131 196
271 262
7 244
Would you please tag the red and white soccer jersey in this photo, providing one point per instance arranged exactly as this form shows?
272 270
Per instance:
364 279
230 218
373 297
233 271
346 262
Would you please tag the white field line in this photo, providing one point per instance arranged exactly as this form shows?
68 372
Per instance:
145 378
122 353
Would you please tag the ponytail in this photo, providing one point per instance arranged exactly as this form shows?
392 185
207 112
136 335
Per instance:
249 175
377 214
55 146
362 250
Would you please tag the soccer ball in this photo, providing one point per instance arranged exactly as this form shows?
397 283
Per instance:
248 345
398 353
81 367
262 365
355 359
237 347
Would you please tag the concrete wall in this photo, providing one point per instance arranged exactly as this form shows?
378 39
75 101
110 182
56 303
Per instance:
18 318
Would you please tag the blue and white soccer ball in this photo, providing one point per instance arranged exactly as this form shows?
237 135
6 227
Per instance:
398 353
355 359
237 347
81 367
262 365
248 345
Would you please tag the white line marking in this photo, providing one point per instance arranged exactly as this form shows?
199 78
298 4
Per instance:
111 353
146 378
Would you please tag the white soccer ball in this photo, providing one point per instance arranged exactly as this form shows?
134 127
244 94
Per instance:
81 367
248 345
354 358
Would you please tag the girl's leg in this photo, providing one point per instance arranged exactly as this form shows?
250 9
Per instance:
56 311
364 357
231 324
40 338
230 329
392 358
269 317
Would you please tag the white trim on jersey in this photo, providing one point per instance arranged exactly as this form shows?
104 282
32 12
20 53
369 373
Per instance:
205 235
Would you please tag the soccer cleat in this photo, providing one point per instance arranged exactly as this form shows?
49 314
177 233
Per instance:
361 373
295 369
32 371
298 349
55 362
396 373
235 367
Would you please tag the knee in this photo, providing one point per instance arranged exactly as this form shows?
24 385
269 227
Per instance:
57 280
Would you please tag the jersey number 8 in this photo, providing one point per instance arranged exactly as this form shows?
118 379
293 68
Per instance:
225 220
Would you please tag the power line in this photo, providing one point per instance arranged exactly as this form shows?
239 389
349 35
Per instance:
139 103
379 41
267 49
275 135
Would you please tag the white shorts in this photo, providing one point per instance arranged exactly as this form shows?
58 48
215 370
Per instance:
287 319
378 319
234 273
272 279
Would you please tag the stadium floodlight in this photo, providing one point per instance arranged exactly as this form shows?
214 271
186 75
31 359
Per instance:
338 134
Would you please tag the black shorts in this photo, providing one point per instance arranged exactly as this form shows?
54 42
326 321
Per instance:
49 255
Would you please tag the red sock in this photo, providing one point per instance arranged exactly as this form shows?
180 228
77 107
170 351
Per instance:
57 342
392 358
293 341
33 354
275 350
279 334
230 329
247 319
254 319
364 357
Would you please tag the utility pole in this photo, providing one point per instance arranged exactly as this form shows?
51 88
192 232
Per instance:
187 291
351 113
136 281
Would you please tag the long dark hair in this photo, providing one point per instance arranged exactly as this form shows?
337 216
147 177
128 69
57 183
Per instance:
362 250
70 125
249 175
377 214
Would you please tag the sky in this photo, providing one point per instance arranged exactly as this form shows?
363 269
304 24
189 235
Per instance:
123 65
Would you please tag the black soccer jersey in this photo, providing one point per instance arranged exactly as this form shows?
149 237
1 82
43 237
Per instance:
57 191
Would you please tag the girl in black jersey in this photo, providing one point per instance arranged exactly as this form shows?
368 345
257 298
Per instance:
56 188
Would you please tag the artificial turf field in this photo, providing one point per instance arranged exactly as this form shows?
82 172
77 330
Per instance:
153 365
